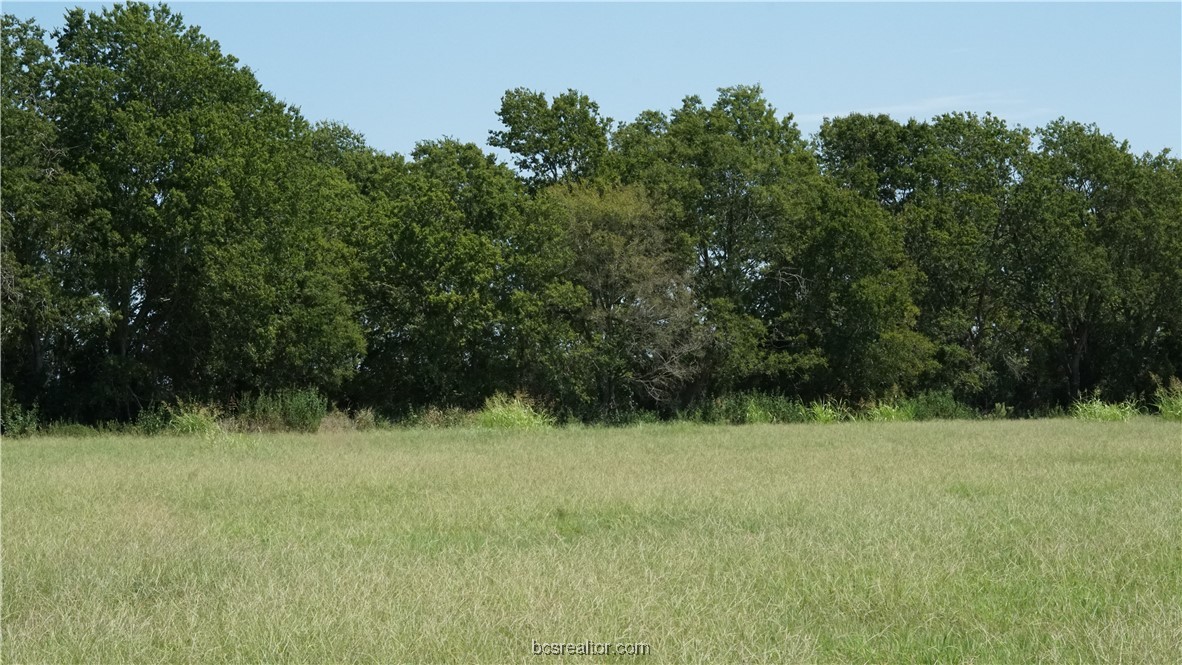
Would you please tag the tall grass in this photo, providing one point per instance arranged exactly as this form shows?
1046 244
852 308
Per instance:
434 417
517 412
285 410
937 405
889 412
827 412
1095 409
1169 399
752 408
183 418
189 419
966 541
757 408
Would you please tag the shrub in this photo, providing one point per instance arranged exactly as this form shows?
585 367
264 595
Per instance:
153 420
938 405
1169 400
1093 408
518 412
297 410
17 421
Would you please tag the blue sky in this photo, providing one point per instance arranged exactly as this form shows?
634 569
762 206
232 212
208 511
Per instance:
400 73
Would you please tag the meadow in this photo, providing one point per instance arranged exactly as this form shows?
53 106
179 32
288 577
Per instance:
982 541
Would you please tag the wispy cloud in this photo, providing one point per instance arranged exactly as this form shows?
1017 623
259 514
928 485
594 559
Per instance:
1009 105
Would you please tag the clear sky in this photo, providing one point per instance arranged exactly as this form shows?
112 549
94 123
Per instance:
400 73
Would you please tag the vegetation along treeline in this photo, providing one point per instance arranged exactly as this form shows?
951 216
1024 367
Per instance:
174 233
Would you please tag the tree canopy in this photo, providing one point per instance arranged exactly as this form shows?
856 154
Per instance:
171 231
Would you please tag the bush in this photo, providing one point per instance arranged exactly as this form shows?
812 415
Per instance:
295 410
17 421
153 420
1095 409
1169 400
937 405
517 412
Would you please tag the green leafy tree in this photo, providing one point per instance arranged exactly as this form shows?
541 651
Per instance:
212 246
873 155
958 223
641 337
838 300
47 311
727 174
564 140
438 290
1096 257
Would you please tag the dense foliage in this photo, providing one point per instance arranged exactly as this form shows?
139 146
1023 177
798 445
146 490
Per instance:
172 233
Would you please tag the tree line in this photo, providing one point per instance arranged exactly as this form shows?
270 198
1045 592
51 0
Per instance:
172 231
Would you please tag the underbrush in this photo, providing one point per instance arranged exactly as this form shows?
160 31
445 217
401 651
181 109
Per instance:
308 411
889 412
1169 399
17 421
342 421
434 417
755 408
937 405
517 412
1095 409
285 410
182 418
751 408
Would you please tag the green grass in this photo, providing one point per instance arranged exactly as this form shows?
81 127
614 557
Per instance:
1169 400
981 541
1093 408
515 413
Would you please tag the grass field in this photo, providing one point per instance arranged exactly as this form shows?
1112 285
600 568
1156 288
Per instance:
1007 541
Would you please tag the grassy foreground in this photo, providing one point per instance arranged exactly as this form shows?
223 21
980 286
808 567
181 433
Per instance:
1003 541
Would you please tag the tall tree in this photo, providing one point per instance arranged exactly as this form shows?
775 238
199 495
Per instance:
640 332
1095 254
837 299
959 222
729 173
439 287
211 249
872 155
46 309
564 140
